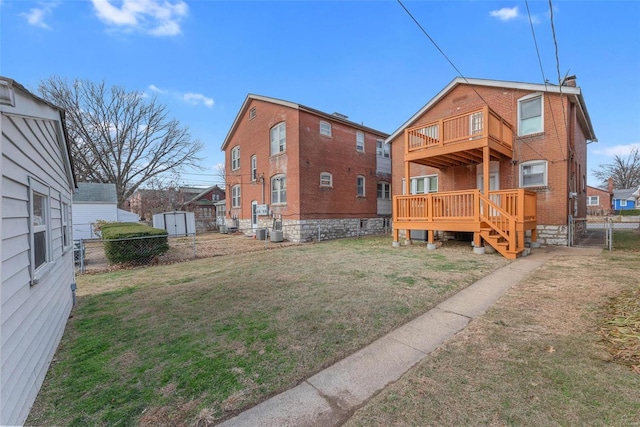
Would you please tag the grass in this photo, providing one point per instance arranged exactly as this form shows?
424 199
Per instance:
537 357
202 340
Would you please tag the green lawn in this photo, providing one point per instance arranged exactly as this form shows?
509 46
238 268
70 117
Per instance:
205 339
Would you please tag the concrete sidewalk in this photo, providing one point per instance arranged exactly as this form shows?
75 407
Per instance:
330 397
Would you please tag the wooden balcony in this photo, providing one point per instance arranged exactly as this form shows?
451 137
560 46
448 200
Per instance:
500 219
460 139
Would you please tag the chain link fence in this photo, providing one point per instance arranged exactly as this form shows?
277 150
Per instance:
600 230
92 255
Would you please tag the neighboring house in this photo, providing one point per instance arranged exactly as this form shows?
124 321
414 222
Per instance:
318 175
203 205
221 212
93 202
599 201
626 199
502 160
37 248
147 202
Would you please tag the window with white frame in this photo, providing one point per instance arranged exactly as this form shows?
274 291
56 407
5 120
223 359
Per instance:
360 186
254 168
235 196
593 201
530 115
623 203
533 173
382 149
325 128
384 190
424 184
278 138
235 158
66 226
326 179
475 123
40 227
360 141
279 190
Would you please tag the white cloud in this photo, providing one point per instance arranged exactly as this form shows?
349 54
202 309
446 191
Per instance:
619 150
197 98
36 16
506 13
154 17
154 88
188 97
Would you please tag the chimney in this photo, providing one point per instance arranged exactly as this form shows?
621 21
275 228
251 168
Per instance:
610 185
569 81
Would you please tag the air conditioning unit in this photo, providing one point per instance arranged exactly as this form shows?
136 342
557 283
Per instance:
276 236
261 234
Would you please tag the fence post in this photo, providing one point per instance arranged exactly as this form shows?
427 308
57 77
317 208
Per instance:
318 233
195 255
81 256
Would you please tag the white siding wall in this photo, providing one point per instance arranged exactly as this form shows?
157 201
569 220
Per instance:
86 214
33 318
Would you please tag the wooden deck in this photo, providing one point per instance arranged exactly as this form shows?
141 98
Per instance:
500 219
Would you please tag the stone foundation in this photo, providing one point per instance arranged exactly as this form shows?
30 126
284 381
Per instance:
553 235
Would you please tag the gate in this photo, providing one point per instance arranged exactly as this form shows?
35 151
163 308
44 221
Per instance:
599 231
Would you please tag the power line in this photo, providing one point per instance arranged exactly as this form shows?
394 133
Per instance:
560 81
544 79
440 50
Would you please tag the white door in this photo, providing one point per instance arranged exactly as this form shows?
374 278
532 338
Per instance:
176 224
254 215
494 182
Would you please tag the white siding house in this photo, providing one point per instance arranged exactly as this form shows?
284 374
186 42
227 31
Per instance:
36 296
94 202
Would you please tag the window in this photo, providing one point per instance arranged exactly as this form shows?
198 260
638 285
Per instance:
252 113
278 190
326 179
360 141
360 186
66 229
533 174
475 124
384 190
382 149
623 203
424 184
235 158
39 231
593 201
254 168
530 117
235 196
279 138
325 128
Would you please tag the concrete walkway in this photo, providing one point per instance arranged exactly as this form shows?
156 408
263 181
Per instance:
332 395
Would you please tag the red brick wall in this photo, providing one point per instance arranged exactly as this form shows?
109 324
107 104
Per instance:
605 200
307 155
551 145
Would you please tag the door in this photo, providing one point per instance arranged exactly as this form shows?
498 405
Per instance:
494 182
176 224
254 215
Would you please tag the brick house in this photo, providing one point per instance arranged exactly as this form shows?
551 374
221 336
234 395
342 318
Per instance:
599 201
319 175
525 143
203 205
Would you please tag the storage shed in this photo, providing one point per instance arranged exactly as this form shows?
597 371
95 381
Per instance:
177 223
37 250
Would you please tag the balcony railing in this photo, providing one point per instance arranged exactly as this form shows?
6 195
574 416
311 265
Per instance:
483 123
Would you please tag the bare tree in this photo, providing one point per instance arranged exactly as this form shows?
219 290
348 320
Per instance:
221 174
624 171
119 137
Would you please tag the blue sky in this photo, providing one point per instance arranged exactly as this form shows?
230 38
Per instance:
365 59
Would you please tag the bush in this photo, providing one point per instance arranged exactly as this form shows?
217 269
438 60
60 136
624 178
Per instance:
133 243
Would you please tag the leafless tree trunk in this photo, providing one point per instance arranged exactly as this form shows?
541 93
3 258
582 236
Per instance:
119 137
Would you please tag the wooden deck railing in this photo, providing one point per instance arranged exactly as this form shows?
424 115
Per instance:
482 123
463 205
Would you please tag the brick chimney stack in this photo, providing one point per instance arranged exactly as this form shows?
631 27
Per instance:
610 185
569 81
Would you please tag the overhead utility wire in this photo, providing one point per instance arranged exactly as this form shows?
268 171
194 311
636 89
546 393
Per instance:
544 79
560 82
440 50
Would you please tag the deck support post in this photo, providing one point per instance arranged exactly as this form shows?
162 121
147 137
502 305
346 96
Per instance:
430 238
477 240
